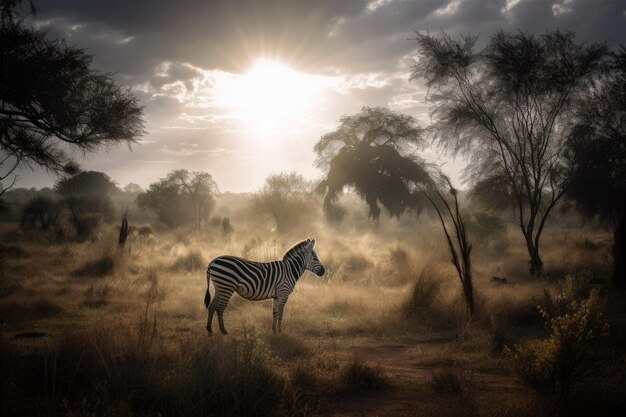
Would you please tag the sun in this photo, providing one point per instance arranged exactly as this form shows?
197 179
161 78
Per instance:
270 95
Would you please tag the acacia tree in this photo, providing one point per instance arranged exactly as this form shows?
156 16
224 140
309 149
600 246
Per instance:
509 106
597 151
53 103
373 151
181 197
286 198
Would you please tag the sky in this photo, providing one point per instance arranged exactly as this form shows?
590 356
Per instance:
245 88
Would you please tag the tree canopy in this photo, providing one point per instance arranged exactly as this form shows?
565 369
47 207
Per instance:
509 107
286 197
373 151
181 197
54 103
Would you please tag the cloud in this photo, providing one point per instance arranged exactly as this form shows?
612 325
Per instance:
177 56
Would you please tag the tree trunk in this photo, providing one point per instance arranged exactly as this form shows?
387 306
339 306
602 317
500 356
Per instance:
536 264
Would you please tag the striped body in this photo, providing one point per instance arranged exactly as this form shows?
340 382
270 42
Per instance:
259 280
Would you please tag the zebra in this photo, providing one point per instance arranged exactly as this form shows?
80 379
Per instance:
259 280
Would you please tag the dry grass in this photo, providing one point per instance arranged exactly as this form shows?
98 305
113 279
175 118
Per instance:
357 376
142 308
449 381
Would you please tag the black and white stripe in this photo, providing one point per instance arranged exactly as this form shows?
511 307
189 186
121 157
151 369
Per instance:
259 280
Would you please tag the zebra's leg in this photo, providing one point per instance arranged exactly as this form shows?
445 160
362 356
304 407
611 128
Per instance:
212 309
221 306
219 303
280 308
274 315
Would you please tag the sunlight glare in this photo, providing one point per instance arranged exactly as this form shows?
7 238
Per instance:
269 95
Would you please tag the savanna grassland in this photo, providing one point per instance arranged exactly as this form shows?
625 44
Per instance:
92 329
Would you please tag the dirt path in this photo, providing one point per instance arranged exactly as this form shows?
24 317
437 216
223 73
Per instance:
412 392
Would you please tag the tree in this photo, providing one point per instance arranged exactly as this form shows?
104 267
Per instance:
132 188
53 103
597 151
181 197
372 151
286 197
42 212
87 195
510 107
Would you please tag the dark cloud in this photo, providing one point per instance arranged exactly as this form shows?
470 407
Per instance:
133 37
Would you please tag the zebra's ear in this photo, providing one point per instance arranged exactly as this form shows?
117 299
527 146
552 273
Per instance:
311 243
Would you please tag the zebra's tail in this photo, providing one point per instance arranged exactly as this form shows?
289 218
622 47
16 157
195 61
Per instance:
207 295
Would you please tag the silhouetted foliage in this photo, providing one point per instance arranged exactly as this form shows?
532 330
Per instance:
54 103
41 212
286 197
372 152
131 187
181 197
485 227
509 107
493 193
88 198
597 151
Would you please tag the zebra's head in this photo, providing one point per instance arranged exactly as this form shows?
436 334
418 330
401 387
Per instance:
312 262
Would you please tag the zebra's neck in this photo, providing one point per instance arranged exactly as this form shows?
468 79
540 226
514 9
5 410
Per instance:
295 266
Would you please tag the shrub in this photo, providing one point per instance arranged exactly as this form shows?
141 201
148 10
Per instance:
145 230
449 381
45 308
42 212
423 297
356 263
287 347
358 376
398 255
193 261
97 268
567 356
485 227
108 373
227 228
96 297
12 251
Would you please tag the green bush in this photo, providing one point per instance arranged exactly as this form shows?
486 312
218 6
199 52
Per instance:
568 355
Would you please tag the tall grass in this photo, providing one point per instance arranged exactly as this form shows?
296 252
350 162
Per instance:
113 371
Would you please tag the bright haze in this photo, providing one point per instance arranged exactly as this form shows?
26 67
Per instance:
242 89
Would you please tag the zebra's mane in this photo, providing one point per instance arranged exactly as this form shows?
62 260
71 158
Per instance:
296 249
